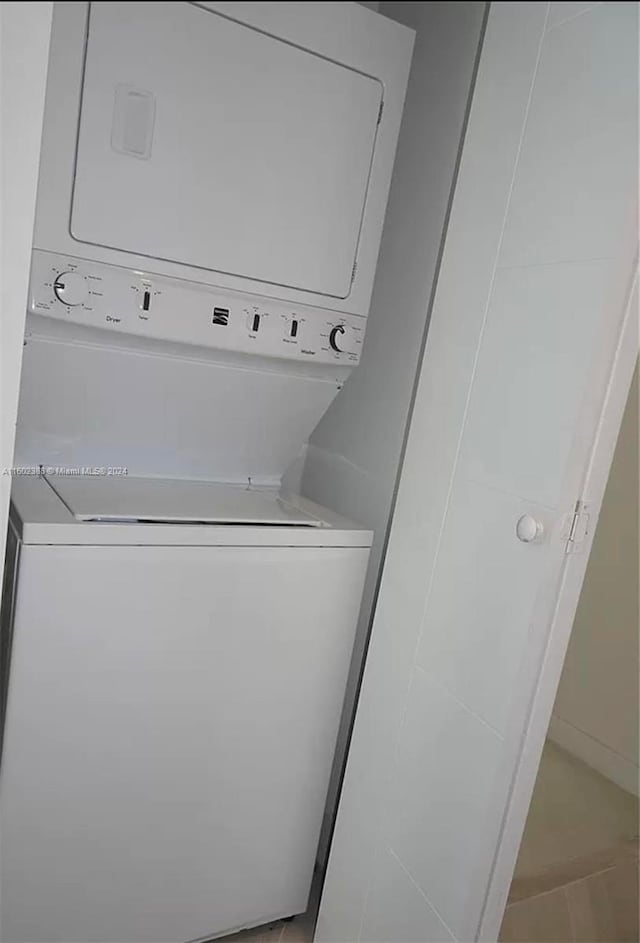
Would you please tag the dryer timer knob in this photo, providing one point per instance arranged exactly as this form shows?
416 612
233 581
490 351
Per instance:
70 288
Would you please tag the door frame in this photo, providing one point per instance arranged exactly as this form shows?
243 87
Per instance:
25 31
541 708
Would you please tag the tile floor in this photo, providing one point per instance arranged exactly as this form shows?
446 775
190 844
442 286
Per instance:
577 874
598 908
574 812
298 930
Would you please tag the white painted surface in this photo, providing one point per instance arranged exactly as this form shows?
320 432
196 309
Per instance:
412 909
301 147
595 714
163 413
562 11
548 318
170 727
24 44
599 756
442 717
481 602
352 460
562 128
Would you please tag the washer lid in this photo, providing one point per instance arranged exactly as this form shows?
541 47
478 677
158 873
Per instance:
163 500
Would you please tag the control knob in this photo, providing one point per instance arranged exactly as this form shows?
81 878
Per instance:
339 338
70 288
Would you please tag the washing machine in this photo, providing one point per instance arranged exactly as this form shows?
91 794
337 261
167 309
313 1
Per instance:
176 639
178 653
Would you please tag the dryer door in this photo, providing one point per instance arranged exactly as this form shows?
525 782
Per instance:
210 143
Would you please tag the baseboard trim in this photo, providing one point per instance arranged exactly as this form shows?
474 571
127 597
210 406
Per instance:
610 764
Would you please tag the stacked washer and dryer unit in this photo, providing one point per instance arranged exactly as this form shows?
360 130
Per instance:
175 640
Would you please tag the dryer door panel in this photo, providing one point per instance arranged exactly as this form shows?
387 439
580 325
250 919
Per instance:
206 142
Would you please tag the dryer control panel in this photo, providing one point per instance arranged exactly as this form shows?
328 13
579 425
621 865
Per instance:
134 302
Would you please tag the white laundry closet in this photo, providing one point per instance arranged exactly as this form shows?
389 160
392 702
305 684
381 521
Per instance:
464 419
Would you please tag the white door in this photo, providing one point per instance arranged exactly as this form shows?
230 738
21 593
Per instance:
513 422
217 145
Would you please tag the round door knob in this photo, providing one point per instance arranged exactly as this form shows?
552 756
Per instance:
70 288
529 529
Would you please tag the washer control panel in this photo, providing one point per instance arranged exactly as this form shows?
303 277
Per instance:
134 302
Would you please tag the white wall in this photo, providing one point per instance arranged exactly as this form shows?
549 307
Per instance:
353 456
596 710
24 51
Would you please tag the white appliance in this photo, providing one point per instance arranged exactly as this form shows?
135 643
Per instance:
212 190
247 147
174 696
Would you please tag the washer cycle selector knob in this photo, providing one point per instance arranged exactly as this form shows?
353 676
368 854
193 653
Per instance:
70 288
336 338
